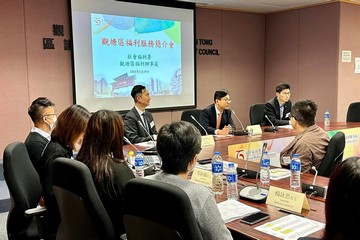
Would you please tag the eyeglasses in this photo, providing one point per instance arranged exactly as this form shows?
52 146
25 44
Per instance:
285 93
226 100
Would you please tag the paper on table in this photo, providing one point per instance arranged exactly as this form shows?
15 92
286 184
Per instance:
233 209
291 227
286 126
279 173
146 144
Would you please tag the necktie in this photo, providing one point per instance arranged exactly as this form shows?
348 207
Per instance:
145 122
281 111
218 120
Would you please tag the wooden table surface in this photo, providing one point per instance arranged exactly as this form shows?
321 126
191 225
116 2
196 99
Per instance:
317 204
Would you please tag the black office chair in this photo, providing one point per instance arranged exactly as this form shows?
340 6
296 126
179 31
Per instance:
25 220
256 113
83 215
353 113
186 116
334 154
167 213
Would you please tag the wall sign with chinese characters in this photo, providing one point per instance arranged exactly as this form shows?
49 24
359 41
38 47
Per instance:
58 31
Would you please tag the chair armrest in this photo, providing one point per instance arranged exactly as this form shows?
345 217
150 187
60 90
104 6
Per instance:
39 210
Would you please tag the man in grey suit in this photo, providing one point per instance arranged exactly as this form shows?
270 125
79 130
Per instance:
139 123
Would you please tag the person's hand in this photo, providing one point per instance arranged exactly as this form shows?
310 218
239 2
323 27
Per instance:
225 131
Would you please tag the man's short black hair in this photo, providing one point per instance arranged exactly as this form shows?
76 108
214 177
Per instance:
137 89
37 106
282 86
219 94
304 112
177 144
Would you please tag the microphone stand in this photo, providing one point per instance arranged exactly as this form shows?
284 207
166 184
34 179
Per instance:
239 132
245 172
273 128
313 189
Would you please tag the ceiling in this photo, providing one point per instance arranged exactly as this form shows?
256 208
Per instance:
261 6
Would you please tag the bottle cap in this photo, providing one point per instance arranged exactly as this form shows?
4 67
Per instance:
295 155
138 152
217 153
231 165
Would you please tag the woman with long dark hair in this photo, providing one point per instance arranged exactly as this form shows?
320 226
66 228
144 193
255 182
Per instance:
102 152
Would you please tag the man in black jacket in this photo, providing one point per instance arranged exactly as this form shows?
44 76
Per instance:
278 108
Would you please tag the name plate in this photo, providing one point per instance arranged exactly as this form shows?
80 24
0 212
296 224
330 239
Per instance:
202 176
207 140
288 200
255 129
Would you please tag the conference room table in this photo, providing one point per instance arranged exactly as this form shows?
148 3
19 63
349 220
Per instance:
241 230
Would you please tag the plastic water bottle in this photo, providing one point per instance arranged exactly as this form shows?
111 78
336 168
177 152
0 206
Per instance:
231 178
295 168
327 118
265 169
139 164
217 170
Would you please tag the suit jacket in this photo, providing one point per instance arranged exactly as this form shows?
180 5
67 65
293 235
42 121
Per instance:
133 131
208 119
272 110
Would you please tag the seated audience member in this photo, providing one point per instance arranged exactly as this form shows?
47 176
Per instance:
216 118
178 145
43 115
342 206
311 141
102 152
66 137
278 108
139 123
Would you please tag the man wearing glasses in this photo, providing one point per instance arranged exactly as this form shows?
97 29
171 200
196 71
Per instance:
216 118
43 115
278 108
311 140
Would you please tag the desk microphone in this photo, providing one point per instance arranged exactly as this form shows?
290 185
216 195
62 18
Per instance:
152 139
239 132
193 118
273 128
145 152
244 172
255 193
313 189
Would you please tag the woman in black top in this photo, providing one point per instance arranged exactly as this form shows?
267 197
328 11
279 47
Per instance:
66 137
102 152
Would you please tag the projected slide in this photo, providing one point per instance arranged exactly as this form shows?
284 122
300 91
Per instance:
129 50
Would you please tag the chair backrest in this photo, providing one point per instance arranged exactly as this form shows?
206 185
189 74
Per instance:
24 186
353 113
256 113
334 154
186 116
83 215
167 213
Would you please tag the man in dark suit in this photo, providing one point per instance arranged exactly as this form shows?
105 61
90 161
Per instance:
216 118
138 119
278 109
